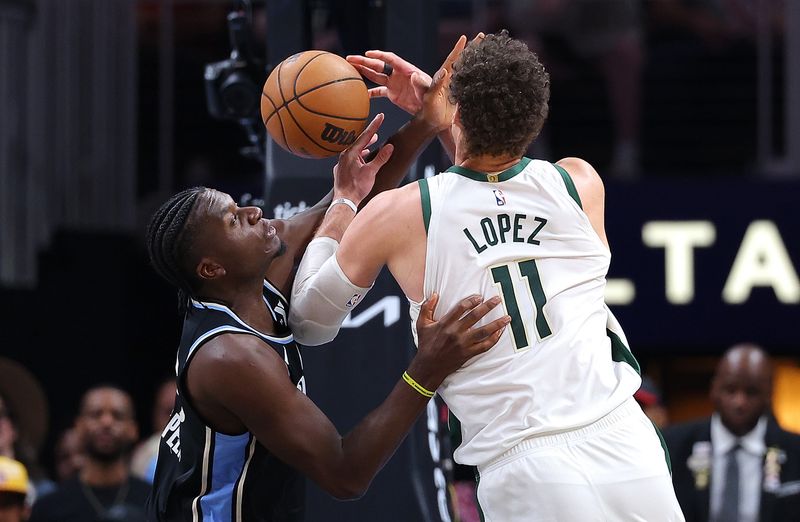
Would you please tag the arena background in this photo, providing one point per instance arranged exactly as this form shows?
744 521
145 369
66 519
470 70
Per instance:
104 111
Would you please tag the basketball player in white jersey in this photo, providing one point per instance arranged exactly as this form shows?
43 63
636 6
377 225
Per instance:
547 415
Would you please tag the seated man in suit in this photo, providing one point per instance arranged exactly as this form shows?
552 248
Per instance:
738 465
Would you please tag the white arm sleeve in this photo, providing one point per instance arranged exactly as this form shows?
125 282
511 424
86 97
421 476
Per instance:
322 295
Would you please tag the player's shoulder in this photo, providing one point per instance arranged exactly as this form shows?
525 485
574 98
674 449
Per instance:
581 171
585 178
231 351
393 202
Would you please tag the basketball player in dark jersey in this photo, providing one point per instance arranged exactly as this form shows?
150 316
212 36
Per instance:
243 432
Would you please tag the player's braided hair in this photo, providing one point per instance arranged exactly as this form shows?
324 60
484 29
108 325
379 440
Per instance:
169 241
502 91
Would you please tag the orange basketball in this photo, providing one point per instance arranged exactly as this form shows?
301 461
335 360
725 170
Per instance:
314 104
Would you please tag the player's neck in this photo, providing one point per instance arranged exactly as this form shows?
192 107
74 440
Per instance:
246 300
251 308
488 164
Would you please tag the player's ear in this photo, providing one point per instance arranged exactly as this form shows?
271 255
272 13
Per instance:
207 268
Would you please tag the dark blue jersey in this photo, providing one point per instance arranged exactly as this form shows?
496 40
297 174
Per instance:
204 475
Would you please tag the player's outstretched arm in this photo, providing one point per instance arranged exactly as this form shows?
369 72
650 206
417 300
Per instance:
233 377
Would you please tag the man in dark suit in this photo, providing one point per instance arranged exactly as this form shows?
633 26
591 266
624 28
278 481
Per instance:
738 465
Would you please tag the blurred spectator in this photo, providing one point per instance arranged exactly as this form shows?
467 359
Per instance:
608 35
104 489
717 23
69 455
14 489
737 465
702 79
23 422
143 463
649 398
8 433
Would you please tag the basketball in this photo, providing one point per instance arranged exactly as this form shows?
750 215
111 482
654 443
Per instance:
314 104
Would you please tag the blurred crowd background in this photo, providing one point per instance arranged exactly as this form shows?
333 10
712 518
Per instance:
689 109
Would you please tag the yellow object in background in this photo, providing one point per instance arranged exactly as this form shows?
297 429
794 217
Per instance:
786 395
13 476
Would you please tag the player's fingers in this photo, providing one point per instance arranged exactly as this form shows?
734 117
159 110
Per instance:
366 136
451 58
478 37
427 310
477 313
366 152
382 157
371 75
356 59
384 56
477 335
373 62
420 81
441 78
487 343
461 308
378 92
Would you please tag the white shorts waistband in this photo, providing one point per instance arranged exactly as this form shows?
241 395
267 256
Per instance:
624 410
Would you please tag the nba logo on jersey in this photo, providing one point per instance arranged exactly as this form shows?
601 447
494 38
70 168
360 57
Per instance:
499 197
353 300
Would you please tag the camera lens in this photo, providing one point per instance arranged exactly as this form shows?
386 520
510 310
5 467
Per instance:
239 95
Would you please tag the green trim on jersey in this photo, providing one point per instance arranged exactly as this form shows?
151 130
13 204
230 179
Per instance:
425 198
663 445
621 353
493 178
454 425
573 192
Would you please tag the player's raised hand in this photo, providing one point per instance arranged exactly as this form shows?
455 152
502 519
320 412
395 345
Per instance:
353 175
445 345
400 81
436 106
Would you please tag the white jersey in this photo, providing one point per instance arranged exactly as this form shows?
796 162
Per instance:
563 362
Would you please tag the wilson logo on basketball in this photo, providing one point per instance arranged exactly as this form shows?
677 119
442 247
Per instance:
334 134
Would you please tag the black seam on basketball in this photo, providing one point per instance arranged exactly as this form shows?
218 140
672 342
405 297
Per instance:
307 135
280 121
320 86
296 76
297 98
280 90
274 108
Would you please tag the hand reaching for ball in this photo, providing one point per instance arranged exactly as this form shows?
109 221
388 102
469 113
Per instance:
406 85
353 175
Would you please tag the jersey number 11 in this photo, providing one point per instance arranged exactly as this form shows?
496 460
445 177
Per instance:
534 293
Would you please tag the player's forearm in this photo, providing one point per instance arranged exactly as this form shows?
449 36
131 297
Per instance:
408 142
368 447
335 222
322 295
